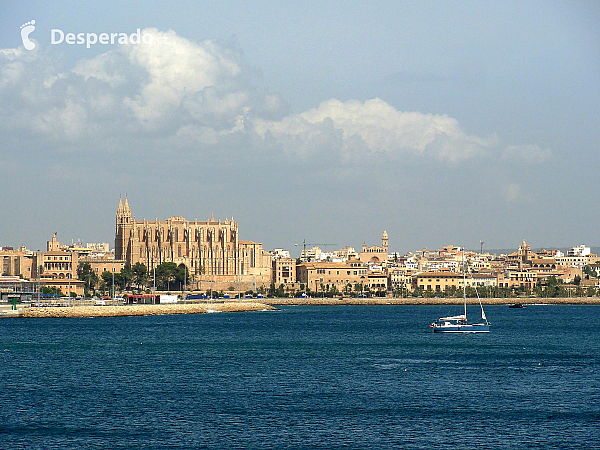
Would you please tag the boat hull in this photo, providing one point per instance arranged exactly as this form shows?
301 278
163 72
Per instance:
473 328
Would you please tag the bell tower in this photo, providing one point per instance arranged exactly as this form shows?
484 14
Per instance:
384 241
123 228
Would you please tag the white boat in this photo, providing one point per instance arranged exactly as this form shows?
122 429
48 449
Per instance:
460 324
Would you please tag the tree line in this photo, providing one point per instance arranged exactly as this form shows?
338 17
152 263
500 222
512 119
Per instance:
166 276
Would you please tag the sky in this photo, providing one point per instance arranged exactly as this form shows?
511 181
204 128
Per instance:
326 122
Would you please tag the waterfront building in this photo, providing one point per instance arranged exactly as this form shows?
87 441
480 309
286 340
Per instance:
284 271
437 281
377 282
482 280
519 278
16 262
443 280
319 276
65 285
401 277
14 287
57 262
101 265
211 249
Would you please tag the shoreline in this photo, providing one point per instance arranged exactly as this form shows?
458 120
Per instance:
432 301
270 304
136 310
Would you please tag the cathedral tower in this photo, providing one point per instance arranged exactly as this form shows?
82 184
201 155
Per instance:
123 227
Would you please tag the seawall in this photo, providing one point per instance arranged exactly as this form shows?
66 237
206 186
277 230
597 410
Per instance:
141 310
432 301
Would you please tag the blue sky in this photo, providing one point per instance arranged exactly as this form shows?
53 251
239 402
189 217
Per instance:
440 122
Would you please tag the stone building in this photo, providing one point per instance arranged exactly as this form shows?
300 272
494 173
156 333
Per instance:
16 263
375 254
438 281
57 261
318 276
209 249
284 271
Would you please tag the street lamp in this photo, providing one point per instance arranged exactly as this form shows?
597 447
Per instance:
113 280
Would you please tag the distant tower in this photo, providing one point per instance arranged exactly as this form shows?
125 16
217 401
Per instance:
524 252
53 245
384 241
123 229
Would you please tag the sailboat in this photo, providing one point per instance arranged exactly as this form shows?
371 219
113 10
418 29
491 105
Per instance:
460 324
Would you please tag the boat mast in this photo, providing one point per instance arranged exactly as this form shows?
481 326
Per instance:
464 281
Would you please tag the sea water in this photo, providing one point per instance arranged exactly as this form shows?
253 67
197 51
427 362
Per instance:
360 377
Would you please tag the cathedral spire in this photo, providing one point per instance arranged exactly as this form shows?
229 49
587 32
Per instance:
126 206
120 207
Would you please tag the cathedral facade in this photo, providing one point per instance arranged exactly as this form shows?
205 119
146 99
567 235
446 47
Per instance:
209 248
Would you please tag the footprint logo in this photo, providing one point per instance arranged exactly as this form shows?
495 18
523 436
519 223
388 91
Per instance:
26 30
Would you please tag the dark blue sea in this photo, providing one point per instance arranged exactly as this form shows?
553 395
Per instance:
354 377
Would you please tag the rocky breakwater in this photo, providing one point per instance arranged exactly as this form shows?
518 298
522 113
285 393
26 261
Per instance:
143 310
319 301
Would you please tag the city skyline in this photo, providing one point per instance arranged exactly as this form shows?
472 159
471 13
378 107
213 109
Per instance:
442 124
295 250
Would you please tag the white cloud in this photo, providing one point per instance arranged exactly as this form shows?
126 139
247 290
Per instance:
374 127
201 95
527 153
134 90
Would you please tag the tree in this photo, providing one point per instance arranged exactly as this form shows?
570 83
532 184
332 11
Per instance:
127 276
107 278
418 292
590 271
347 289
334 290
470 292
52 291
166 273
280 291
86 273
182 277
140 275
591 291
